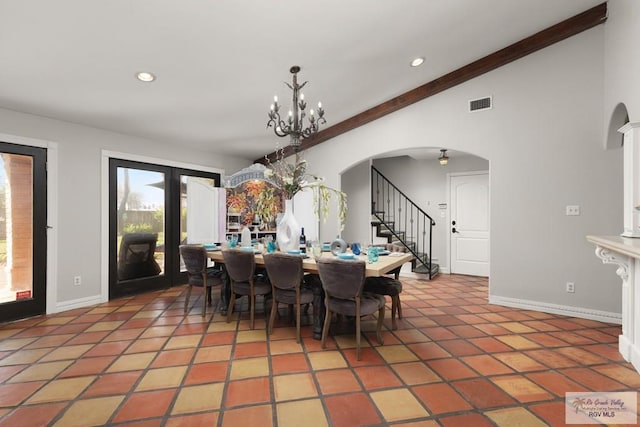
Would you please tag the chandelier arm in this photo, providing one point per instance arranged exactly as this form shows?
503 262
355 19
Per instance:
282 129
310 131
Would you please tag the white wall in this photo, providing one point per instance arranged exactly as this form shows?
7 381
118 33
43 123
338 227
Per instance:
79 190
355 184
425 182
543 139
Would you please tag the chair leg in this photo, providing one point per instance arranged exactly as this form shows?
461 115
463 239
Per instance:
204 300
252 305
209 298
394 309
232 302
325 328
399 307
272 318
186 300
357 336
298 308
379 325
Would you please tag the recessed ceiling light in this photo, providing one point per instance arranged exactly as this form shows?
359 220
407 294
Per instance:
417 62
144 76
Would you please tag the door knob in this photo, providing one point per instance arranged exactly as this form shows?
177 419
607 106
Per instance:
453 230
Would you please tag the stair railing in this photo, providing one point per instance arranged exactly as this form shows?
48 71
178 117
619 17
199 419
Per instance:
403 219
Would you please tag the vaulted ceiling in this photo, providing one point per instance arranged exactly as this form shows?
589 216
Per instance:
220 62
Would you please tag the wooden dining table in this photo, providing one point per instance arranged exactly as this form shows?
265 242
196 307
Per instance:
384 265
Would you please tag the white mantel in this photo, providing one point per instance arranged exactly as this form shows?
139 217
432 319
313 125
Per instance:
625 253
624 250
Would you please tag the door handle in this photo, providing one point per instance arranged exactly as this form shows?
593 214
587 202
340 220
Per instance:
453 230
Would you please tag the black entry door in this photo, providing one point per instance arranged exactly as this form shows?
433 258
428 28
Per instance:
147 211
23 231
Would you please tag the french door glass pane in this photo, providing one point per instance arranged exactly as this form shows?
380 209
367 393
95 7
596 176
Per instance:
140 223
16 227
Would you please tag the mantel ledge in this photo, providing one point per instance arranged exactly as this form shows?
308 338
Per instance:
623 245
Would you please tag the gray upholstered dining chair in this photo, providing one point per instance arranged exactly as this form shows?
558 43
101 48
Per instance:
343 283
388 286
286 277
241 268
195 261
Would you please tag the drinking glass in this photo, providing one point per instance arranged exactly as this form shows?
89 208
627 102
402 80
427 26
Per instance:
316 249
372 254
232 241
271 245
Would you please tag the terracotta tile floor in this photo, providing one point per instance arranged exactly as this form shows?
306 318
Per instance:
454 361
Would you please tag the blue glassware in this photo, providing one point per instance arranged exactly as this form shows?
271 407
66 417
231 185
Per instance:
355 248
372 254
271 246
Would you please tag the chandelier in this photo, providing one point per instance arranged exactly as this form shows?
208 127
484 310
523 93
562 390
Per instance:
294 125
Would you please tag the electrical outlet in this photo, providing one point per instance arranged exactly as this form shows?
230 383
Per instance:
573 210
77 280
571 287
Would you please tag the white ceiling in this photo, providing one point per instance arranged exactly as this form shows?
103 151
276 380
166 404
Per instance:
219 62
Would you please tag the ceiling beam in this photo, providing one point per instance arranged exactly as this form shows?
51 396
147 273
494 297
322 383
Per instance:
588 19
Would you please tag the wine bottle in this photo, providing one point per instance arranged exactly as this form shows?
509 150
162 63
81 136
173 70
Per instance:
303 242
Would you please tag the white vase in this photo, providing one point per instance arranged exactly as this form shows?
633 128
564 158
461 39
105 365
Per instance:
288 229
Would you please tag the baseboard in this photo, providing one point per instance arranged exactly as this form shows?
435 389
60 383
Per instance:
565 310
78 303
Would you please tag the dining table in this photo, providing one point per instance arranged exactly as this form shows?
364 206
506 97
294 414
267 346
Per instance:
382 266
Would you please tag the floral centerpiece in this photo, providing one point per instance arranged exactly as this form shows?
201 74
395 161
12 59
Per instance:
290 178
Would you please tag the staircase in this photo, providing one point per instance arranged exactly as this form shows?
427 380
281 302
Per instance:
400 221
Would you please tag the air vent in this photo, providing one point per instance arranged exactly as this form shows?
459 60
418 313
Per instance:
480 104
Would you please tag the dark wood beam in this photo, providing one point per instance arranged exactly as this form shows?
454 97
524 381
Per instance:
588 19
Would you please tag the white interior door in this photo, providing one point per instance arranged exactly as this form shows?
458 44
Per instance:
469 224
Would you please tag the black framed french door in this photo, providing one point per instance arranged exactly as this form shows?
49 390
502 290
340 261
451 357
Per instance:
23 231
148 209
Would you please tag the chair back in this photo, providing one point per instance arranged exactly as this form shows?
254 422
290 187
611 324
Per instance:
285 271
240 264
195 261
342 279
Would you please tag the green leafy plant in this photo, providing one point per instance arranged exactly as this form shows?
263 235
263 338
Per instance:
138 228
291 178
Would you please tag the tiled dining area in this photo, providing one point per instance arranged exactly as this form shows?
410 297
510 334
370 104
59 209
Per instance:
454 360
